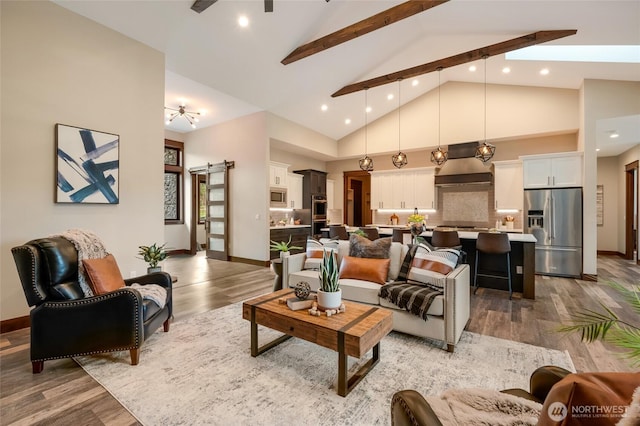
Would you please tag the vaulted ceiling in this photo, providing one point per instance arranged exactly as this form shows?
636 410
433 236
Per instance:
228 70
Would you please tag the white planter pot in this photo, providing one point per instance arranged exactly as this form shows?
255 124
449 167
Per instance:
329 300
284 254
151 270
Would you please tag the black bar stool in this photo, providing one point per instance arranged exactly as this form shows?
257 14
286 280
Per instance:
372 233
339 232
440 238
398 235
493 243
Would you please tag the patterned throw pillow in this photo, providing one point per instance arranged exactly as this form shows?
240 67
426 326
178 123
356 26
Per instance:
364 247
432 266
315 249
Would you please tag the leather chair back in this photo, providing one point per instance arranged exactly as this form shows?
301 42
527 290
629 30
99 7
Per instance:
372 233
48 270
338 231
441 238
493 242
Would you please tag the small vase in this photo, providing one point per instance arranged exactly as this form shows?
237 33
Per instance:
154 269
329 299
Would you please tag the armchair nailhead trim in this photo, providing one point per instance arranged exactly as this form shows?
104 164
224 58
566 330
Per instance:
33 268
398 400
86 353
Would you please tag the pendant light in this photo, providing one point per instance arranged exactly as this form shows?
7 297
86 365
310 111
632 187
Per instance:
485 151
400 159
366 162
439 156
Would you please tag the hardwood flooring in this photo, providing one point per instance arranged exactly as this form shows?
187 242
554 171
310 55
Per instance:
64 394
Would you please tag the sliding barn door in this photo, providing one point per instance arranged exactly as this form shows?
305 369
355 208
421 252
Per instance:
217 218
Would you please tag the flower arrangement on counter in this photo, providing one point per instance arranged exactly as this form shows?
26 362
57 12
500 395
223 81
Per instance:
415 218
509 218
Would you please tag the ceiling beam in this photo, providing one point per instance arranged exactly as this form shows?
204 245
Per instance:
201 5
372 23
462 58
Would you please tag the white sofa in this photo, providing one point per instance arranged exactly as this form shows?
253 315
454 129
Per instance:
447 315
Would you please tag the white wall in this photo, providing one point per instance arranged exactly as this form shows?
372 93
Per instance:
601 99
58 67
512 112
608 172
243 140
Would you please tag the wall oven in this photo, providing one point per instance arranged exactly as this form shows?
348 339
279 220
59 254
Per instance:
278 197
319 207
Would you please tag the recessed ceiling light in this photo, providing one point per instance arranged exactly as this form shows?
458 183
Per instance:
614 135
415 82
243 21
390 96
324 107
368 109
347 121
597 149
472 68
544 71
506 70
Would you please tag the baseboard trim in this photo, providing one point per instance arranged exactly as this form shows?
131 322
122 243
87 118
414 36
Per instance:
15 324
589 277
249 261
610 253
180 251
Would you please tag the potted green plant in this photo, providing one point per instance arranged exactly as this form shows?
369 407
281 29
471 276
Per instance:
152 255
329 293
283 248
606 326
359 232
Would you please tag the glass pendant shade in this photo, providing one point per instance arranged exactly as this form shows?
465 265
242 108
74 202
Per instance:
366 163
485 151
399 160
439 156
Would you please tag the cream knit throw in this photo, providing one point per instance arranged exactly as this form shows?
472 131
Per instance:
152 292
475 407
89 246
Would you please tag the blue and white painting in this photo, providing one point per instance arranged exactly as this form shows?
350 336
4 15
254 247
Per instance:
87 166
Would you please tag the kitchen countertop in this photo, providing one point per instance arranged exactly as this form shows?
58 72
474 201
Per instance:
289 226
471 235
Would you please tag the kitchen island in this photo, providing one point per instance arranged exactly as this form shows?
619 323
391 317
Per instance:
297 233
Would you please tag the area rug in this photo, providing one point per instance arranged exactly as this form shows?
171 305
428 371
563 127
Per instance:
202 373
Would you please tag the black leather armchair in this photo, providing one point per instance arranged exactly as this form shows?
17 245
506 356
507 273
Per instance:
65 323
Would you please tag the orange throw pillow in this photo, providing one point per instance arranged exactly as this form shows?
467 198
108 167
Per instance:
104 274
365 269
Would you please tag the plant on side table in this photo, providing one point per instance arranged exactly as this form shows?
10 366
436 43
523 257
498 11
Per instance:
608 327
283 248
329 293
152 255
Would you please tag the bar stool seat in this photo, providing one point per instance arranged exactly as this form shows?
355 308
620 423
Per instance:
493 243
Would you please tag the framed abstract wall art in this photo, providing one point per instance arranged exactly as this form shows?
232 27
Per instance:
87 165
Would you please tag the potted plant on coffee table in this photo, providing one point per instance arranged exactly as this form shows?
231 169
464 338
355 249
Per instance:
152 255
329 293
283 247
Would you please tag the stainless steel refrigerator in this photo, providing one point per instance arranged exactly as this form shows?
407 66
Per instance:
554 217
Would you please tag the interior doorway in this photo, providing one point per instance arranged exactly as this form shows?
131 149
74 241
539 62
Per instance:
631 212
357 198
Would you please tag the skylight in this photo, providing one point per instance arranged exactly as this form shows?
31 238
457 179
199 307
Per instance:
621 54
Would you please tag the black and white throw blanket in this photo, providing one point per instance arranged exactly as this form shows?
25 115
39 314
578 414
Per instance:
412 297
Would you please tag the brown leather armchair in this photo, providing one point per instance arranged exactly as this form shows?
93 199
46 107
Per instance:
65 323
409 408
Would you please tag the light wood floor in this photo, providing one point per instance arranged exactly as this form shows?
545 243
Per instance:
64 394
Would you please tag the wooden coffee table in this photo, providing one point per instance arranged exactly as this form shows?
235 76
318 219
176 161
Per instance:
351 333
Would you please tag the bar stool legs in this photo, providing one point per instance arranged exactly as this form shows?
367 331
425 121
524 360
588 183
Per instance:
508 277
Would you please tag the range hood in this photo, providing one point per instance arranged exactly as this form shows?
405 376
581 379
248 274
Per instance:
462 168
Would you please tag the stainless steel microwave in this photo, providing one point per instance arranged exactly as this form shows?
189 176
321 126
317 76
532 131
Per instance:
278 197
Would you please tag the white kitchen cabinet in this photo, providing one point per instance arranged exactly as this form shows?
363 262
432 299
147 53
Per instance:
294 190
330 194
278 174
509 193
552 170
403 189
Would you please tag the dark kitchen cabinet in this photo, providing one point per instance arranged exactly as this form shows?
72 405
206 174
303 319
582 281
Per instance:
298 238
314 183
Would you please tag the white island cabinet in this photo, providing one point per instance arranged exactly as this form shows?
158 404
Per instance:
558 170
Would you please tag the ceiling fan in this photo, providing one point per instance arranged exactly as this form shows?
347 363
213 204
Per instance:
201 5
